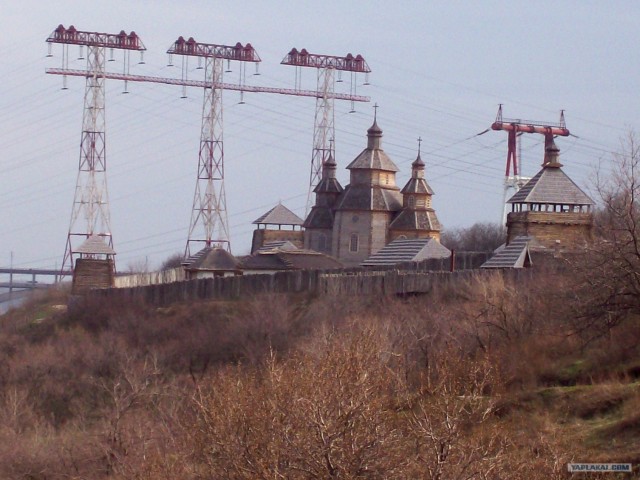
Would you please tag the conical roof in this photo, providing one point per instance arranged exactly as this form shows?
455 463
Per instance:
551 185
410 219
373 157
279 215
95 245
417 186
374 130
212 258
328 183
319 217
363 197
418 163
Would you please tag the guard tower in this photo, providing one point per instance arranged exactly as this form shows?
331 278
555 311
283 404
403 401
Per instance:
278 225
551 208
95 267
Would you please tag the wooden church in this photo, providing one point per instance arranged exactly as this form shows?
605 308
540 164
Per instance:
355 222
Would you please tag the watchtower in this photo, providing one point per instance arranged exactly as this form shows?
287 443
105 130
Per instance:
551 207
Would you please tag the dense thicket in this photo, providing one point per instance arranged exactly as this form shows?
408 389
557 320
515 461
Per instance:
454 384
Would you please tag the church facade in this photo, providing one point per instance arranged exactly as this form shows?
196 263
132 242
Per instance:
355 222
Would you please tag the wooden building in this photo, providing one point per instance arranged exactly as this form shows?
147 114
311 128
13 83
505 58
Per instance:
551 208
278 224
95 267
355 222
211 262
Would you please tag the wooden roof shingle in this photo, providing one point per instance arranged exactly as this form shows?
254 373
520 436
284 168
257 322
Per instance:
407 250
514 255
95 245
279 215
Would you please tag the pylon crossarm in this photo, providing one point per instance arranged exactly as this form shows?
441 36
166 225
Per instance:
71 36
203 84
237 52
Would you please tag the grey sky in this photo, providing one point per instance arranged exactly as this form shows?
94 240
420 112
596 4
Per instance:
440 69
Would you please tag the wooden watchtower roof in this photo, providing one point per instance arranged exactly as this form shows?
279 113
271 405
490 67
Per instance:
279 215
551 186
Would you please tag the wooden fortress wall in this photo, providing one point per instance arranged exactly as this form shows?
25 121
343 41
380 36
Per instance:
410 279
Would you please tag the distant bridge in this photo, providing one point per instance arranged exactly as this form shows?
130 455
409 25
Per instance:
18 287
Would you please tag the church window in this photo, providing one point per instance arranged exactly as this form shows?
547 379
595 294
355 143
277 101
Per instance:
353 245
411 201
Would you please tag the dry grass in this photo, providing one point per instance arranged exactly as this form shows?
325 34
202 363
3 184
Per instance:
481 379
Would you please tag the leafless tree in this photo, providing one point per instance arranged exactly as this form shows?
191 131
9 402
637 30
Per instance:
609 275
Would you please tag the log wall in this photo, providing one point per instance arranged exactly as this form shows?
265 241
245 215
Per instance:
410 279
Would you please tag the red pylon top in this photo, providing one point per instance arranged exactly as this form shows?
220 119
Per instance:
348 63
122 40
516 126
530 126
237 52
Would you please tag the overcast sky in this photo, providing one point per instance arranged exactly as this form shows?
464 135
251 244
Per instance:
440 69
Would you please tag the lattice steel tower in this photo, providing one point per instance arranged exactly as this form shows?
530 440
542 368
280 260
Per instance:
90 210
209 220
324 125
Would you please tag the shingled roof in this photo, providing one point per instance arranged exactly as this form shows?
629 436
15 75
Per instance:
514 255
95 245
407 250
364 197
319 217
290 260
279 215
329 183
417 184
212 259
409 219
373 159
551 185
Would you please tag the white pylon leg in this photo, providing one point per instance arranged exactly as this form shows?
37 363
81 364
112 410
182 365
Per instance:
323 130
90 211
209 221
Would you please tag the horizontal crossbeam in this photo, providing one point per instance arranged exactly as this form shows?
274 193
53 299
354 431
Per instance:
529 128
202 84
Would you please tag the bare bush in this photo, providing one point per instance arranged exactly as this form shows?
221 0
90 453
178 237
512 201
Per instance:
345 411
608 277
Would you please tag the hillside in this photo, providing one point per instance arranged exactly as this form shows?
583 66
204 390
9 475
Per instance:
479 379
